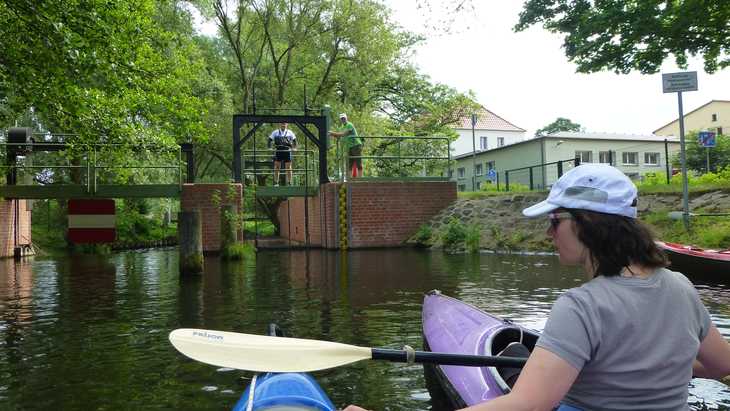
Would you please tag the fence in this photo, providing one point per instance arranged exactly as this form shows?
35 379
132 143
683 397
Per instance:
398 157
538 177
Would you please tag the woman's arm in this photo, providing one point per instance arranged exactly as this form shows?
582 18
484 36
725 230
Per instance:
541 385
713 359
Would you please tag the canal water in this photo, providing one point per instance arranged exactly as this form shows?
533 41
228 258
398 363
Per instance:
90 332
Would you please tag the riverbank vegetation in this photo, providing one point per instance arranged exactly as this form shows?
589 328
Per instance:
138 223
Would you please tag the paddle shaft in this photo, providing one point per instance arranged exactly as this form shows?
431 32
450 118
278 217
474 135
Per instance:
448 358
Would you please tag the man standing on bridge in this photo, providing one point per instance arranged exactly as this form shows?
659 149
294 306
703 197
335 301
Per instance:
284 142
353 145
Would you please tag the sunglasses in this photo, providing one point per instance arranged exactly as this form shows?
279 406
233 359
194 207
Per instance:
555 218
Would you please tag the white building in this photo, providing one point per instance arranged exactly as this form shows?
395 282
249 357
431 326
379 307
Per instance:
538 162
491 131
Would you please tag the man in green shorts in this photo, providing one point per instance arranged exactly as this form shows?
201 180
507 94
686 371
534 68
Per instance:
353 145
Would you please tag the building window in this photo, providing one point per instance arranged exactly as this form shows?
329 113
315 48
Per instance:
651 159
719 131
714 117
460 172
605 157
584 156
500 141
630 158
451 173
462 187
490 165
483 143
479 185
478 170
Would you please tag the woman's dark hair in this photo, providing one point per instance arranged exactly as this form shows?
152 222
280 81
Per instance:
615 242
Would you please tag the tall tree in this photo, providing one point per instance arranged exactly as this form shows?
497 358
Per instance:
114 72
560 124
635 35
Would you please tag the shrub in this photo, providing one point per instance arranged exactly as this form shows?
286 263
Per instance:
473 238
518 188
237 251
454 235
423 235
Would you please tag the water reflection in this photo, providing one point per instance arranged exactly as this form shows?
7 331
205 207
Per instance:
91 332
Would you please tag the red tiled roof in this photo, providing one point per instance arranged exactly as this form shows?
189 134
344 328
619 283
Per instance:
486 120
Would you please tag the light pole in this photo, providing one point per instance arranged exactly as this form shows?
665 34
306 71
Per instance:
473 153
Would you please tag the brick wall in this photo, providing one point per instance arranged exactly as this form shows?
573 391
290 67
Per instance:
380 214
386 214
322 222
7 226
200 197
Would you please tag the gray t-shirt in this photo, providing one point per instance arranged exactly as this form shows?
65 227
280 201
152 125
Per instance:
633 340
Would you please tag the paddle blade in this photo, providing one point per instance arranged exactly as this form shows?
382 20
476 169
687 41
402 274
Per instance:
264 353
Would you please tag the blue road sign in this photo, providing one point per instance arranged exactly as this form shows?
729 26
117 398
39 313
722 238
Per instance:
492 174
707 139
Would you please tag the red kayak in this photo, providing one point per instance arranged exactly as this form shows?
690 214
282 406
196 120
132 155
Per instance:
692 260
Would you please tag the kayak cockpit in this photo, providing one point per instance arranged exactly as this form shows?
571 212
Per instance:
509 341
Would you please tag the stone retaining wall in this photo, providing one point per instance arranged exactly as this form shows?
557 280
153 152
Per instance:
503 226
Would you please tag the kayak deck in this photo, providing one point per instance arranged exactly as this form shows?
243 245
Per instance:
290 391
451 325
285 391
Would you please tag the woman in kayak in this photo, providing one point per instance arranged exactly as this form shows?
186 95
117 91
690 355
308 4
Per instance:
631 337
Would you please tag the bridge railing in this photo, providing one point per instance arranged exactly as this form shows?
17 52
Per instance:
89 165
398 157
259 165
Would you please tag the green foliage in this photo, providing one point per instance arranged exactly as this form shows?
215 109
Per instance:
265 228
133 226
472 238
634 35
696 182
499 238
96 249
518 188
423 236
697 155
108 72
560 124
453 235
238 251
707 232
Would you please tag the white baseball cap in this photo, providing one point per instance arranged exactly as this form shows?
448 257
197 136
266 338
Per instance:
594 187
343 115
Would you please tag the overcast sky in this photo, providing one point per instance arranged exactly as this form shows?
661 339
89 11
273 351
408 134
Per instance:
526 78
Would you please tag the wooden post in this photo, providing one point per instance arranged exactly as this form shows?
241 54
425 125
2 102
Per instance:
228 229
190 232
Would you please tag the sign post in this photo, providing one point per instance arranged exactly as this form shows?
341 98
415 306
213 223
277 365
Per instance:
677 83
707 140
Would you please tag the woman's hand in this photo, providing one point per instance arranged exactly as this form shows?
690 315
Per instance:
354 408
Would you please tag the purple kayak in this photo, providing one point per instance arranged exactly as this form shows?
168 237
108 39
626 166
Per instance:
453 326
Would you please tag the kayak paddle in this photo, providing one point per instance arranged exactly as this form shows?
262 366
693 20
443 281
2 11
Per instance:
282 354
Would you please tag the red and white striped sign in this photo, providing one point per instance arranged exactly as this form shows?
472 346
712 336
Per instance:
91 221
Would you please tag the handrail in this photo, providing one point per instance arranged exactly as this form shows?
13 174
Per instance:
89 156
398 151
